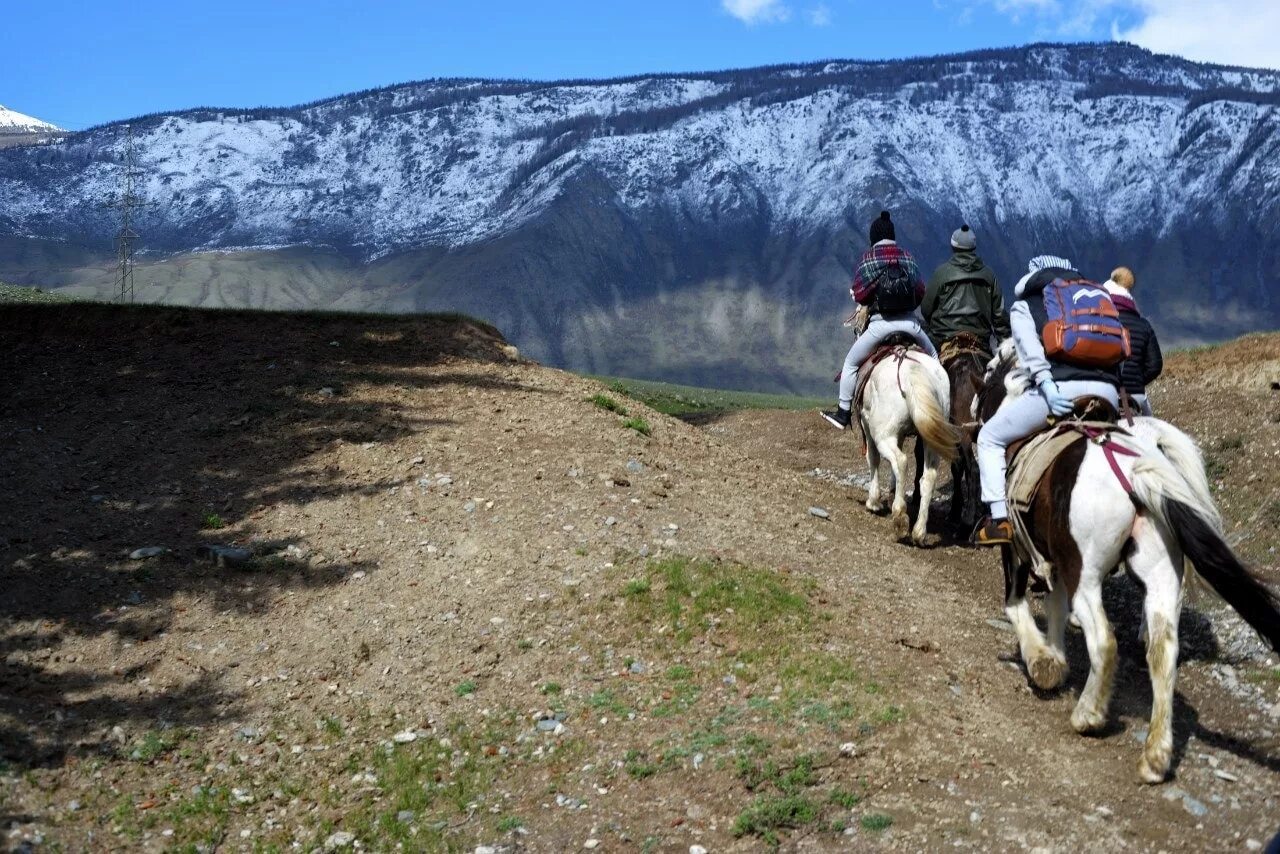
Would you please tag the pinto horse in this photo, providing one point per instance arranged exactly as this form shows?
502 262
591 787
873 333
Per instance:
906 395
1084 522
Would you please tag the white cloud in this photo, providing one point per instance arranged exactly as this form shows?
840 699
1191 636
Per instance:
820 15
1233 32
757 11
1241 32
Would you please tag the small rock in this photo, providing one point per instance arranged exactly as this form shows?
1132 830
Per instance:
547 725
819 512
249 733
227 557
635 466
637 667
591 843
73 806
847 749
341 839
405 816
242 796
698 759
417 461
405 737
327 391
1000 625
469 507
1253 844
1226 775
610 522
697 849
147 552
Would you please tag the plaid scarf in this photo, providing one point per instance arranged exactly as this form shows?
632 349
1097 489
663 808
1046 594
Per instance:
875 261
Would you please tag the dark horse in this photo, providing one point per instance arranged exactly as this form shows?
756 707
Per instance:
965 360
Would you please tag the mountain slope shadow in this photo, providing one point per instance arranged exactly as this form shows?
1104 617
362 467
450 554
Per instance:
171 428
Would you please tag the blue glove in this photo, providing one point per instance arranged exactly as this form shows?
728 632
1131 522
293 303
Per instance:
1059 404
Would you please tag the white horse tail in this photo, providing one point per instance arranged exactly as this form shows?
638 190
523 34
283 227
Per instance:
927 406
1195 523
1184 455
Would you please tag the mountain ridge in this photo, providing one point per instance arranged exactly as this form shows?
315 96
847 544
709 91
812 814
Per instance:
689 226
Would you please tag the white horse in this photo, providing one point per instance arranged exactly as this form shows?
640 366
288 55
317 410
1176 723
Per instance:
1088 525
907 394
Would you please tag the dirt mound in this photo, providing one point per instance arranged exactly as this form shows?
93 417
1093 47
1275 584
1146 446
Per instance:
489 603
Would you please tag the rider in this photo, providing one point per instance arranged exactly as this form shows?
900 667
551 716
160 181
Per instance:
1058 384
963 296
887 281
1145 361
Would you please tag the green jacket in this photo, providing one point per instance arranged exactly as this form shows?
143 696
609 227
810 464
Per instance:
964 296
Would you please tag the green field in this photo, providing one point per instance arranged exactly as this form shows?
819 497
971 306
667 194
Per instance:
14 293
687 401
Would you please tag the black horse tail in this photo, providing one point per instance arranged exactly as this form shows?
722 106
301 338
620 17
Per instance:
1218 565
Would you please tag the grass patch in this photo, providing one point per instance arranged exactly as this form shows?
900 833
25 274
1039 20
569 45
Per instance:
608 404
639 425
636 587
876 822
465 689
605 701
844 799
16 293
212 522
770 813
509 823
688 401
638 766
551 689
155 744
692 595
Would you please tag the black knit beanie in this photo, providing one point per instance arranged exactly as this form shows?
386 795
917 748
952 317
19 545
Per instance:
881 228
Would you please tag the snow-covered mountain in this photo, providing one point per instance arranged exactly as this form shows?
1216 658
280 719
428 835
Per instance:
691 226
14 124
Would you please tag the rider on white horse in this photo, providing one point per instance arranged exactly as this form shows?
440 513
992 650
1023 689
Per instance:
889 283
1058 384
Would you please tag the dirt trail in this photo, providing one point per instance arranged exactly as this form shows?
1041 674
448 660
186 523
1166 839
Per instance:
485 611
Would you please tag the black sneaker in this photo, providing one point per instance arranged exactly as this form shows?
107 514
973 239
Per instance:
839 419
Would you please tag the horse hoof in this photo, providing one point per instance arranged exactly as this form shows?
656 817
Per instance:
1087 722
1153 771
874 506
918 539
900 522
1048 672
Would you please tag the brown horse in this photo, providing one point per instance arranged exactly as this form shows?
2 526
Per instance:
965 358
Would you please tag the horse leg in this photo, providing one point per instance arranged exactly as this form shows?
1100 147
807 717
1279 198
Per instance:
891 449
955 516
927 480
1046 666
1157 562
873 464
1090 714
1050 671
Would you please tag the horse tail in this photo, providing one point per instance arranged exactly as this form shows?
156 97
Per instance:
1184 455
1196 525
927 406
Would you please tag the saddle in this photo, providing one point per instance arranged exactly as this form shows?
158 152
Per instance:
963 344
899 344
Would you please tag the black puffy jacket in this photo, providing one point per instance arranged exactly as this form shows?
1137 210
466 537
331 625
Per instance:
1145 360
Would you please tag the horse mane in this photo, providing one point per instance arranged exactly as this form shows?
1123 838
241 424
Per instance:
1004 378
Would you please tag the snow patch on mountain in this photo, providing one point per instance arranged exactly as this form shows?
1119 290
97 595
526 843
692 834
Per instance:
13 122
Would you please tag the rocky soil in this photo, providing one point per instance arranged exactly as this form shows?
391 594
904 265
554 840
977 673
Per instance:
481 608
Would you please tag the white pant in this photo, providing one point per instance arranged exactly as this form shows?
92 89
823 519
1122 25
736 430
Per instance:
1017 419
877 330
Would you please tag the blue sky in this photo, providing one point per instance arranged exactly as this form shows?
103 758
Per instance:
82 62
